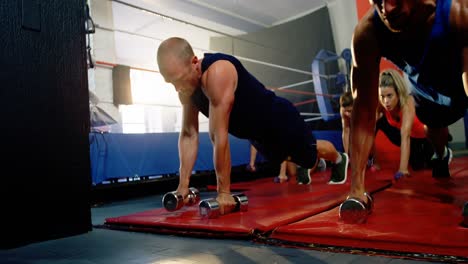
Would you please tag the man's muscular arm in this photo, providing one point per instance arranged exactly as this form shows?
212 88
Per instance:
364 84
219 84
408 115
465 70
188 143
459 23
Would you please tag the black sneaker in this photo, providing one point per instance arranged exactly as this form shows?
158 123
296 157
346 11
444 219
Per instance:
340 171
465 215
303 175
440 166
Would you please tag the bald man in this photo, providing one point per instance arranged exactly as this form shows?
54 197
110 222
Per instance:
235 102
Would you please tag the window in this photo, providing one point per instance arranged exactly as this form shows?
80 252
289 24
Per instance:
156 107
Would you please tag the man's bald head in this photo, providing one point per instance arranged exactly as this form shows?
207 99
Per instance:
174 50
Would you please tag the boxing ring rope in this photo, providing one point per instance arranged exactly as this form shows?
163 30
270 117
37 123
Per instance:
112 65
295 84
318 116
313 119
305 102
305 92
273 65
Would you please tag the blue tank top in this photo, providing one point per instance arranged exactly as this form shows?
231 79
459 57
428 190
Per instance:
251 113
434 70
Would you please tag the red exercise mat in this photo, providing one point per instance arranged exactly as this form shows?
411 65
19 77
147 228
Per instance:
270 205
417 214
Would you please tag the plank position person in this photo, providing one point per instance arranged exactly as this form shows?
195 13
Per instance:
428 41
235 102
396 118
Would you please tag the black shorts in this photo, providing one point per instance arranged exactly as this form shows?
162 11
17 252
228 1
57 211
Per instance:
439 116
288 137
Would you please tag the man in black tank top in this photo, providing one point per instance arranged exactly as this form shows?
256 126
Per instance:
428 41
235 102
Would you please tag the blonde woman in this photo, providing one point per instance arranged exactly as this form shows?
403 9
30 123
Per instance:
398 121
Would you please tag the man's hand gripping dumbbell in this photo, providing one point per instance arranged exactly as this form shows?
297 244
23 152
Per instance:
211 208
175 200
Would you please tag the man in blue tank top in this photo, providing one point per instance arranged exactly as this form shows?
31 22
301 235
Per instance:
235 102
428 41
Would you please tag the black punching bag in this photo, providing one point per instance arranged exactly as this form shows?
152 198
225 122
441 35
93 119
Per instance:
46 179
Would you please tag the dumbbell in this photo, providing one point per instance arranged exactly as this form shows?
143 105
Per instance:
173 201
209 208
355 211
370 202
465 215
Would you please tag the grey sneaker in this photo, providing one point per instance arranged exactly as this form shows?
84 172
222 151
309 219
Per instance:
322 165
303 175
339 172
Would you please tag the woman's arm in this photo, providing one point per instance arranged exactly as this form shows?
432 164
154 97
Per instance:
408 115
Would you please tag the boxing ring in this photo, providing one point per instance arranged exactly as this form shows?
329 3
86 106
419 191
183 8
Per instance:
120 157
314 89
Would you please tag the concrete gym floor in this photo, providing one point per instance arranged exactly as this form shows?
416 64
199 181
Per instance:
103 246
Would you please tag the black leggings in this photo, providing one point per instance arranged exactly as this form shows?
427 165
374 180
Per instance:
421 150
